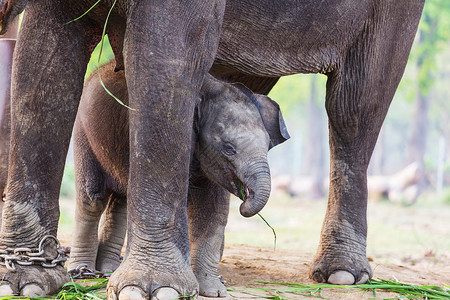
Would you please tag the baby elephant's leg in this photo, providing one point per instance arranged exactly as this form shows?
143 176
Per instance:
91 202
208 207
113 228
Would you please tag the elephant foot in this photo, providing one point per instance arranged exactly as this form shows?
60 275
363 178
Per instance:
107 264
343 269
32 281
211 286
76 262
135 279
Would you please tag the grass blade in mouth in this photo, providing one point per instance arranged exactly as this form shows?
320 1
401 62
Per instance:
241 187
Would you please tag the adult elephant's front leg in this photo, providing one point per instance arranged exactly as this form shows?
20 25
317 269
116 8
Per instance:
49 65
358 95
168 49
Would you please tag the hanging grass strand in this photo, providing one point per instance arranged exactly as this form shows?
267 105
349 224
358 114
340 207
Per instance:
100 55
95 4
241 187
101 49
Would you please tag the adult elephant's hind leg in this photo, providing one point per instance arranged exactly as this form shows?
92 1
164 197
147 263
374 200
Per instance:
358 95
50 63
169 47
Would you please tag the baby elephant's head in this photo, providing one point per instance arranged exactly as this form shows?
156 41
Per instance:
236 128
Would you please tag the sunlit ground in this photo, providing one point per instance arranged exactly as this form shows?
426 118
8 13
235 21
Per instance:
397 234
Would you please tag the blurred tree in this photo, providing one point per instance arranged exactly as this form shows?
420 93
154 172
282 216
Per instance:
315 148
432 38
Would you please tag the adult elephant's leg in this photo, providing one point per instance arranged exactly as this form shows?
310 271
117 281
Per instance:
113 228
358 96
47 80
169 47
208 206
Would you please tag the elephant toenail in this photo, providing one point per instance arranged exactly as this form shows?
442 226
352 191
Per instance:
341 277
165 293
32 290
132 293
6 290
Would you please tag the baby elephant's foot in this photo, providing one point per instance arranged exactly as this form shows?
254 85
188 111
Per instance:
211 286
136 280
32 281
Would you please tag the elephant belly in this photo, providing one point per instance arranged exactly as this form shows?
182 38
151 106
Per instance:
276 38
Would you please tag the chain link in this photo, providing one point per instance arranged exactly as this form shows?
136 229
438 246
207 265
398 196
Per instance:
24 256
83 272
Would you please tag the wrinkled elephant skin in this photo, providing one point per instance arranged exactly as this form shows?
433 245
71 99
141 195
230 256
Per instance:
166 60
229 146
362 46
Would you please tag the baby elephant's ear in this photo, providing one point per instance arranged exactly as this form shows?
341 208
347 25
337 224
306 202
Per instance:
272 119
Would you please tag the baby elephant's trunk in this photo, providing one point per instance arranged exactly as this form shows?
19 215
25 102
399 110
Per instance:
257 187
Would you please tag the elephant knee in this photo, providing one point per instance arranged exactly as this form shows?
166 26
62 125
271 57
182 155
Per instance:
94 202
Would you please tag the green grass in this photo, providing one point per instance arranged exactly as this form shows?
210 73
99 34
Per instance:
94 289
73 290
394 231
404 291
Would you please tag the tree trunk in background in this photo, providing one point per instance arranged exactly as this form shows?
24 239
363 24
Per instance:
417 144
419 134
315 148
376 166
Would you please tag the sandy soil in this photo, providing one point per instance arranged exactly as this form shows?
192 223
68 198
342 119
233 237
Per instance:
408 244
242 265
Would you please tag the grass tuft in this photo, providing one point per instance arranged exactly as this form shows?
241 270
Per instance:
404 291
74 291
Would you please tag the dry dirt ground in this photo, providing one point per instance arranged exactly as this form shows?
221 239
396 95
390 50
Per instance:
408 244
243 266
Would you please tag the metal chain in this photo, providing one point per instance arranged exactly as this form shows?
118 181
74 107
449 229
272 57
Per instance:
25 256
32 256
83 272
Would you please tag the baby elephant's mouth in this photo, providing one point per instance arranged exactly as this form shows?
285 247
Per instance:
241 190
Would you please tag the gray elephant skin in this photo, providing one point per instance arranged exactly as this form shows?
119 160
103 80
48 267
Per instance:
230 145
362 46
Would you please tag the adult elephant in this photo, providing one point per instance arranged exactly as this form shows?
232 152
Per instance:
168 47
363 47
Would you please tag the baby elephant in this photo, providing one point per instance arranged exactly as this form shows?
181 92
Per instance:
233 130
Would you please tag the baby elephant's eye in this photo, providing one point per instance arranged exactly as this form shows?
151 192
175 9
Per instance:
228 148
